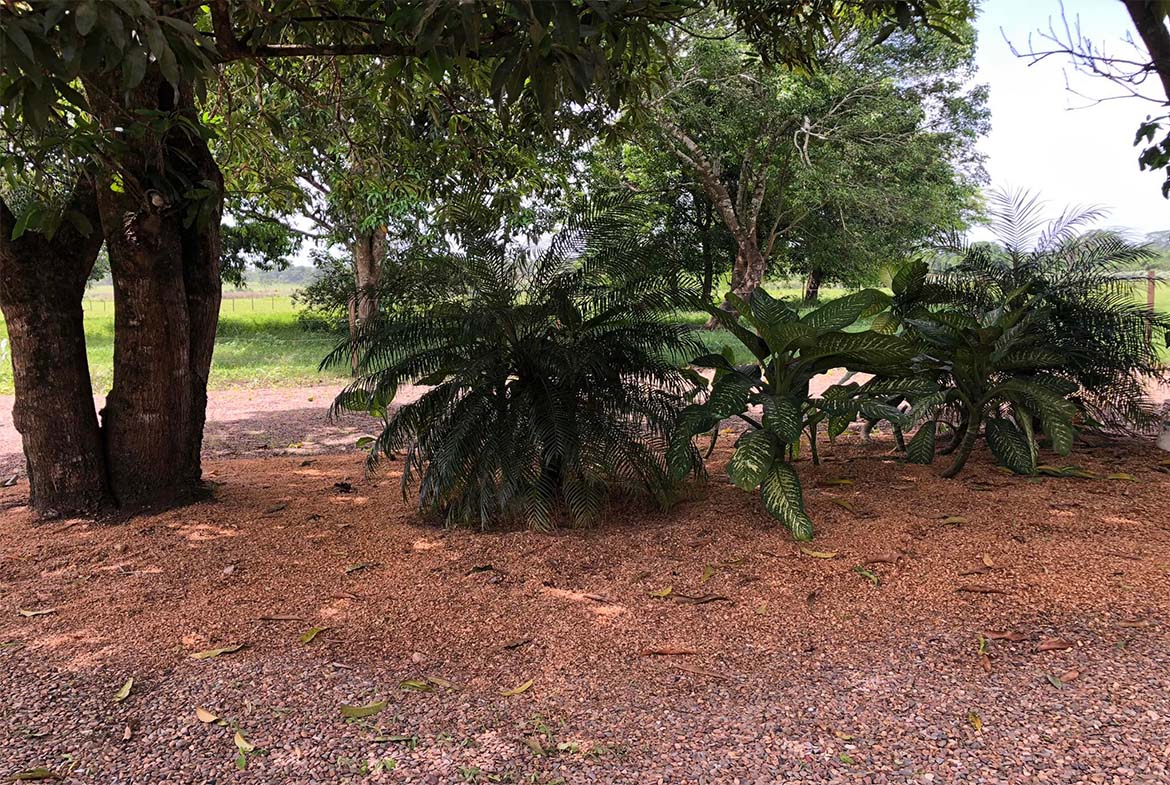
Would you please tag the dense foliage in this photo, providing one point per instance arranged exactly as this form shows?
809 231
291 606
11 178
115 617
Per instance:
790 350
553 375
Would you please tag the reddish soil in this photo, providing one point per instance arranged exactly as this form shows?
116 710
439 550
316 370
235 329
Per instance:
797 669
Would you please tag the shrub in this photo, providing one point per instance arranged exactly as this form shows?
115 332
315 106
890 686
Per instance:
789 350
553 374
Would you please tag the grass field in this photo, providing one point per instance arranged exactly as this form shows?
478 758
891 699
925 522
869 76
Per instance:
260 343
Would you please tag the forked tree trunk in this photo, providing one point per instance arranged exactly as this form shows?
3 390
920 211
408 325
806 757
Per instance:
42 281
164 259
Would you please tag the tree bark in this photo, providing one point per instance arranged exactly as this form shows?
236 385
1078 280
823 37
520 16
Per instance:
42 281
160 217
1149 20
369 250
812 285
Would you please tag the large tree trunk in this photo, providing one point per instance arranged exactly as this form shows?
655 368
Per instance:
42 281
164 246
369 250
812 285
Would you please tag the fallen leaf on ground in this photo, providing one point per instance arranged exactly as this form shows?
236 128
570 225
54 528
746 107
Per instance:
762 608
987 562
1054 681
975 720
8 483
665 591
357 712
205 716
818 554
882 558
1015 637
519 689
281 617
361 566
1070 675
127 733
308 635
666 651
42 612
124 693
701 599
1121 476
1054 644
32 775
207 655
843 736
708 574
836 481
846 758
953 520
276 507
845 504
868 575
416 685
1138 624
985 662
976 588
439 681
242 744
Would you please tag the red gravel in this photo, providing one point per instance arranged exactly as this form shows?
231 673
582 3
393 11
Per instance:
807 672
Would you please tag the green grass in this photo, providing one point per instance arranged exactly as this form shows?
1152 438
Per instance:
260 344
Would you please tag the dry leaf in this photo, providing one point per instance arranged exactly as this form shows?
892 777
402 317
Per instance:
357 712
417 685
516 644
708 574
519 689
985 662
1054 681
281 617
836 481
762 608
975 720
276 508
127 733
818 554
308 635
701 599
666 651
243 745
1054 644
439 681
43 612
361 566
1015 637
1070 675
882 558
842 735
665 591
32 775
1139 624
845 504
206 655
987 562
953 520
205 716
124 692
1121 476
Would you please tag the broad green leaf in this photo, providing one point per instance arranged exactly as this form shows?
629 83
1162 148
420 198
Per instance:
920 448
729 396
844 311
752 459
1010 446
768 311
782 417
784 500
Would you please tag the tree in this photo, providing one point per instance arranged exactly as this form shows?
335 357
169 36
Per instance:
778 153
103 101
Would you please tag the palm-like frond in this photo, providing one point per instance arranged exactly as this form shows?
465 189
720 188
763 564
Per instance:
554 373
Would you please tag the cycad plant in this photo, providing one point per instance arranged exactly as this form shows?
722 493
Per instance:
553 373
790 350
1034 333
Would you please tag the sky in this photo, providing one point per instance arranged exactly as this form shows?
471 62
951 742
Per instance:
1051 141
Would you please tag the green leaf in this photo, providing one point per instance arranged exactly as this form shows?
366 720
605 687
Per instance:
844 311
768 311
752 459
124 692
357 712
1010 446
920 449
85 17
782 417
729 395
784 500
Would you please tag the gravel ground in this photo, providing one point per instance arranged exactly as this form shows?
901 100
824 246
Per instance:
783 666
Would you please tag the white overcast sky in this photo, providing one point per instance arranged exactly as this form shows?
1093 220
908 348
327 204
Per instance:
1041 140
